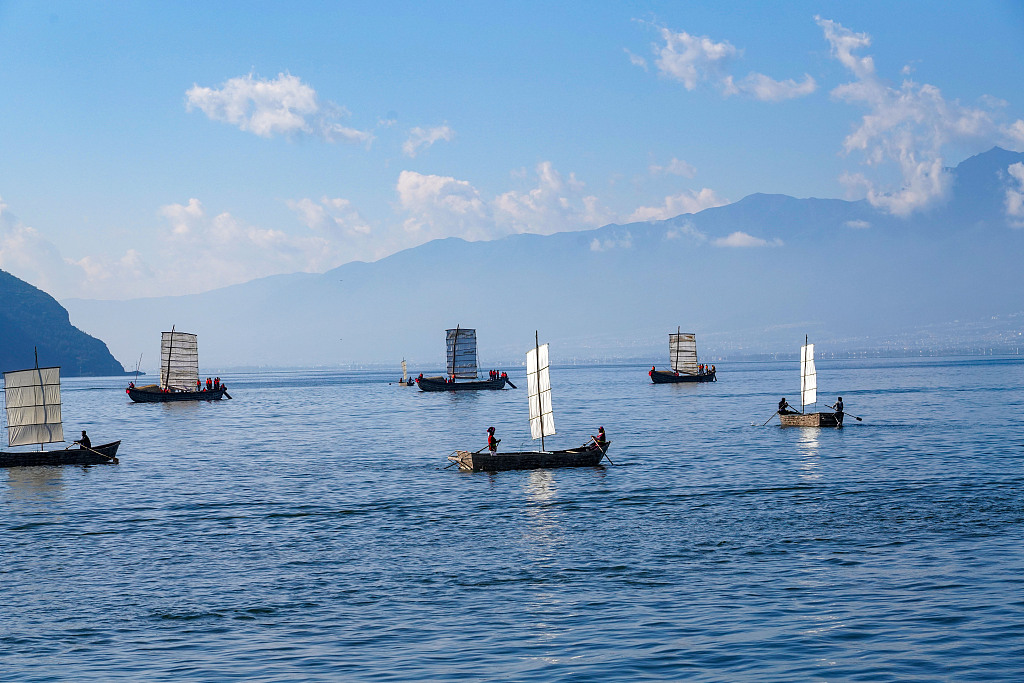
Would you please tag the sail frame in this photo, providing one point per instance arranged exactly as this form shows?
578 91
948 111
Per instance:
33 406
461 353
808 376
538 385
179 360
682 350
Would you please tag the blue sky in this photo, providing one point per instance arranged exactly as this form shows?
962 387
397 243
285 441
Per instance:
170 148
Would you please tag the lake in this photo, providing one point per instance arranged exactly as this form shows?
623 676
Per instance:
308 530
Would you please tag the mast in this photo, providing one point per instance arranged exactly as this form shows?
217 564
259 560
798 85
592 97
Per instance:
536 346
803 372
170 348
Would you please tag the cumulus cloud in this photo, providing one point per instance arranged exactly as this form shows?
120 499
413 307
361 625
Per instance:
636 60
557 203
687 201
442 206
742 239
693 60
674 167
422 138
908 127
281 106
1015 195
685 229
331 214
616 242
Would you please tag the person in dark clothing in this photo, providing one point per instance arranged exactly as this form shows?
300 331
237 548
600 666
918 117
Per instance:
84 442
601 440
839 411
492 443
784 408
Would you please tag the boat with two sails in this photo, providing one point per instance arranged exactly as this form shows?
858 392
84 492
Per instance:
808 396
461 365
179 373
682 350
33 406
542 424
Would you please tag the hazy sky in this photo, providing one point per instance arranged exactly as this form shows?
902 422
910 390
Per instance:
170 148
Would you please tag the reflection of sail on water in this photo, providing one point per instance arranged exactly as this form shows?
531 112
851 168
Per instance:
682 349
808 377
538 380
461 353
33 406
179 360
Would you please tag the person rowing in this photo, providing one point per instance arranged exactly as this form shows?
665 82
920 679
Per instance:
838 407
784 407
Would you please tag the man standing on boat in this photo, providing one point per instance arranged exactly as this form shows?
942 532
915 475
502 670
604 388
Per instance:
839 411
492 443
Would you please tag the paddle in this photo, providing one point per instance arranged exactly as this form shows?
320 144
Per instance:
770 418
603 451
510 383
93 450
850 414
496 442
227 394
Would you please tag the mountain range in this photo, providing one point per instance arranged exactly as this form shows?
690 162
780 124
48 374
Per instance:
752 277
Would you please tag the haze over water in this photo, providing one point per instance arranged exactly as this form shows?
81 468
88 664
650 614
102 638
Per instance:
306 530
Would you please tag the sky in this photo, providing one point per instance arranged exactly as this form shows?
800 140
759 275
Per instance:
171 148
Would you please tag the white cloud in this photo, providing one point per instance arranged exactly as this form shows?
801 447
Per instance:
637 60
1015 196
907 127
687 201
555 204
282 106
674 167
330 214
742 239
618 242
696 59
423 138
442 206
685 229
857 225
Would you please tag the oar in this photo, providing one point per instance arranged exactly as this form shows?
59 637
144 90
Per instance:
510 383
858 419
227 394
770 418
93 450
603 451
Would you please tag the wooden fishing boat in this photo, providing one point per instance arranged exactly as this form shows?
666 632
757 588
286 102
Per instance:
808 396
542 423
682 350
179 373
406 379
33 408
461 365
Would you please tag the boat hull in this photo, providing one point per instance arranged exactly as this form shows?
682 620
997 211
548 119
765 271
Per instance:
438 384
666 377
530 460
98 455
809 420
140 395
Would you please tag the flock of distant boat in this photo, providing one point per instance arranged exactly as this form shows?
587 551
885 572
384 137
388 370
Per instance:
33 402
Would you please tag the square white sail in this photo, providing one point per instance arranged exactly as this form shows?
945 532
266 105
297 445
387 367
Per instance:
538 383
682 350
33 406
179 360
808 376
461 343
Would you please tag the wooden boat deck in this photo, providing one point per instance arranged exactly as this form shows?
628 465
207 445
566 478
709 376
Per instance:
529 460
438 384
98 455
809 420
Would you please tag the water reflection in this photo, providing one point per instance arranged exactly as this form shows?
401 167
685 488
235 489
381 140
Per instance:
35 484
808 445
543 530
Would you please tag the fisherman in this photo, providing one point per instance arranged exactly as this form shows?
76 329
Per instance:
601 440
209 384
784 408
216 383
651 373
492 443
199 385
84 442
839 411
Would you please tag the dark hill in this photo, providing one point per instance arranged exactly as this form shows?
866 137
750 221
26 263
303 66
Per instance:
31 319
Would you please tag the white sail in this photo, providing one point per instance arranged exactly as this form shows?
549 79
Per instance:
33 406
179 360
538 381
808 377
461 353
405 373
682 349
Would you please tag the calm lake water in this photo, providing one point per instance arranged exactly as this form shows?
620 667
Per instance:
306 530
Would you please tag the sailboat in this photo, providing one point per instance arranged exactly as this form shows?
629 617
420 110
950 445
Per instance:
542 424
682 349
32 400
406 381
461 354
179 373
808 395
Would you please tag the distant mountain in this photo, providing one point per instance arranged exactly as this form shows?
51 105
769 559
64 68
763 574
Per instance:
750 277
31 320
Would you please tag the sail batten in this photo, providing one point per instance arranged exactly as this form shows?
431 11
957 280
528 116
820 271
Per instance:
461 343
682 350
32 401
538 382
179 360
808 376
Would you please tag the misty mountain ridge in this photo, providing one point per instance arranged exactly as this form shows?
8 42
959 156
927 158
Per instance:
749 278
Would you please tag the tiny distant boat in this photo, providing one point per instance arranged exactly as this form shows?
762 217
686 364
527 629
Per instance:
179 373
461 361
808 396
682 349
542 423
32 400
406 380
